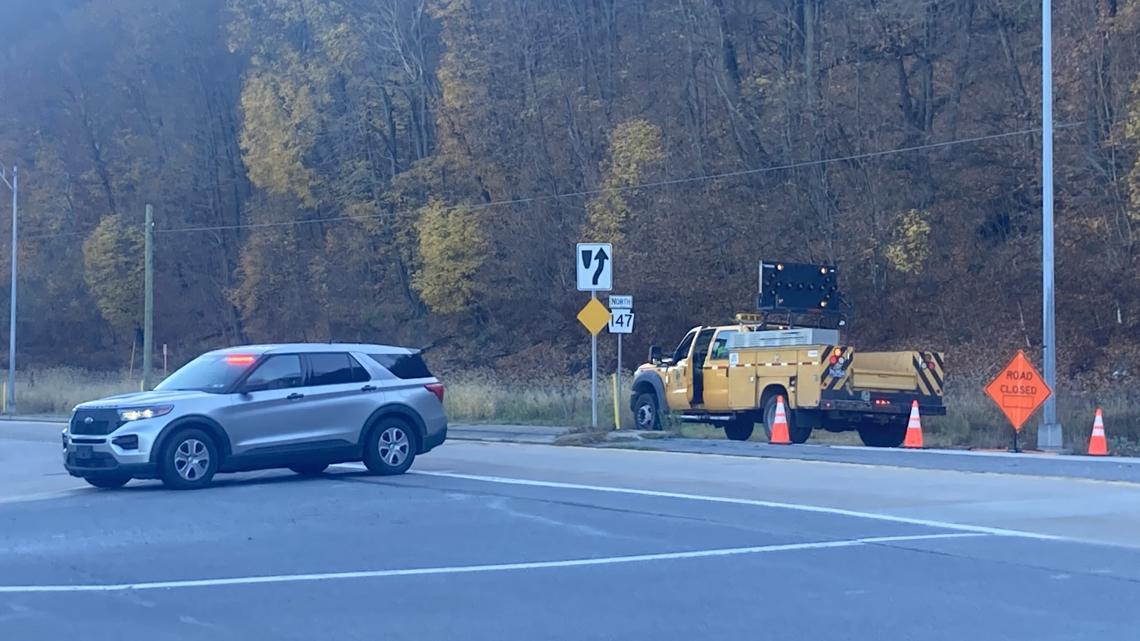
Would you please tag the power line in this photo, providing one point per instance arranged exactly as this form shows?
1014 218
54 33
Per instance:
602 190
640 186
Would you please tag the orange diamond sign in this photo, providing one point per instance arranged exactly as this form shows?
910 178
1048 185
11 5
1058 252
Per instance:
594 316
1018 390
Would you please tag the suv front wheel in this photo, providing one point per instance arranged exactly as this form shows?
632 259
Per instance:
390 448
189 460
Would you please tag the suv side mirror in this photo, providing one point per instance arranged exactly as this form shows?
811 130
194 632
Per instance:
655 354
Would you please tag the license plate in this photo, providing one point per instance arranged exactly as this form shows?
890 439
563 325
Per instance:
83 451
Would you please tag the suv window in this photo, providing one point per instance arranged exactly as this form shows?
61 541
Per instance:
335 369
403 365
277 372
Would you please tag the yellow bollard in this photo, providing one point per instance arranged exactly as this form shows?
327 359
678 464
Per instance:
617 414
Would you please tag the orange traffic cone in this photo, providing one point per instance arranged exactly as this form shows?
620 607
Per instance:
913 428
779 427
1097 444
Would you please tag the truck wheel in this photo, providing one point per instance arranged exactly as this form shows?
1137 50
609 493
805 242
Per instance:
738 429
645 412
878 435
796 433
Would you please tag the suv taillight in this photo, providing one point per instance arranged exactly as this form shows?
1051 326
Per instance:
437 389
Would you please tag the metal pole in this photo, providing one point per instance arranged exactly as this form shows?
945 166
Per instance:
617 382
11 391
148 300
594 375
1049 434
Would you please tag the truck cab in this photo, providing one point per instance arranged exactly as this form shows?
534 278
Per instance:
731 375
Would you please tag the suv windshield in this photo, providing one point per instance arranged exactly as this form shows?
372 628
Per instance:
208 373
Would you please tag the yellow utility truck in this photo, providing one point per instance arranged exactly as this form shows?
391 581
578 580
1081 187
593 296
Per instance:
730 375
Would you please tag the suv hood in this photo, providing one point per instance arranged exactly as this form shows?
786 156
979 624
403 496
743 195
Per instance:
142 399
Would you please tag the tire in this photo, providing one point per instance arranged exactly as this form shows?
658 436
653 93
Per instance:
309 469
390 448
189 460
646 414
739 429
796 434
878 435
107 481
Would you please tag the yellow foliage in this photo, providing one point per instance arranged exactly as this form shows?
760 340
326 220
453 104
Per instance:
634 145
113 271
910 247
452 248
1132 131
277 132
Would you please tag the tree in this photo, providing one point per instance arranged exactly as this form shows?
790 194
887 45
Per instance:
452 249
113 262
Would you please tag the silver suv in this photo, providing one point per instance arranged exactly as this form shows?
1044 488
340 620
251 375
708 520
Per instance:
302 406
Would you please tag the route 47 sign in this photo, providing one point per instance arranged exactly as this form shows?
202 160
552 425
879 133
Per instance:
595 267
621 321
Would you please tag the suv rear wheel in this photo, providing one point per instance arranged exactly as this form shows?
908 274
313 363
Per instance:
390 448
189 460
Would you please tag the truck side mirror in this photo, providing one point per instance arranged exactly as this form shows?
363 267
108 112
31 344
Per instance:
655 354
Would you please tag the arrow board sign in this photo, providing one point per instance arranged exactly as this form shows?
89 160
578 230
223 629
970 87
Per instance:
595 265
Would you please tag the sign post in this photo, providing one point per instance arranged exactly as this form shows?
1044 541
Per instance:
621 322
1018 390
595 273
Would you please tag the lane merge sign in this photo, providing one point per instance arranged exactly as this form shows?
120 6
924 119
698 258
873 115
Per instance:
595 262
1018 390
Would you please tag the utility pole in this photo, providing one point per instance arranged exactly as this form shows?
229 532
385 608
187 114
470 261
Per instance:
148 300
1049 436
14 185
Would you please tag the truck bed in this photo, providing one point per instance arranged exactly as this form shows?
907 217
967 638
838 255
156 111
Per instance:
897 372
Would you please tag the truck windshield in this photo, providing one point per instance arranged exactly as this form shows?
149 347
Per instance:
208 373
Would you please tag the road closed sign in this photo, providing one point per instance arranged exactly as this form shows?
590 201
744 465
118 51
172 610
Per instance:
1018 390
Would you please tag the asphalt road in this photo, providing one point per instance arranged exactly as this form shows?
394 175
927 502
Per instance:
504 541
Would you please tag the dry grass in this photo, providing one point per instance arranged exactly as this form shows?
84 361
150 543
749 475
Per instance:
480 397
56 391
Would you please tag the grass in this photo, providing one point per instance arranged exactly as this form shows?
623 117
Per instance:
56 391
484 397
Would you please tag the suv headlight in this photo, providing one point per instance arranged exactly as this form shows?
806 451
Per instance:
127 415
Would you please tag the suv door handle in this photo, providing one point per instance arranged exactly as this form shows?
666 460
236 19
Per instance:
295 396
368 388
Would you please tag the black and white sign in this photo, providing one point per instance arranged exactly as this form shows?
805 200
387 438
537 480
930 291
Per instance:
621 302
621 321
595 266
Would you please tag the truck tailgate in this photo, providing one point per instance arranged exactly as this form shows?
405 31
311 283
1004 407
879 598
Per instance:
893 371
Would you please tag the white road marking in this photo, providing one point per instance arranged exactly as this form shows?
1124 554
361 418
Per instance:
978 529
472 569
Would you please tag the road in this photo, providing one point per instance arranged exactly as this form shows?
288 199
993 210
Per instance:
507 541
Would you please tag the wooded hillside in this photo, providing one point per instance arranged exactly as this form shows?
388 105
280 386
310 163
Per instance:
417 171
